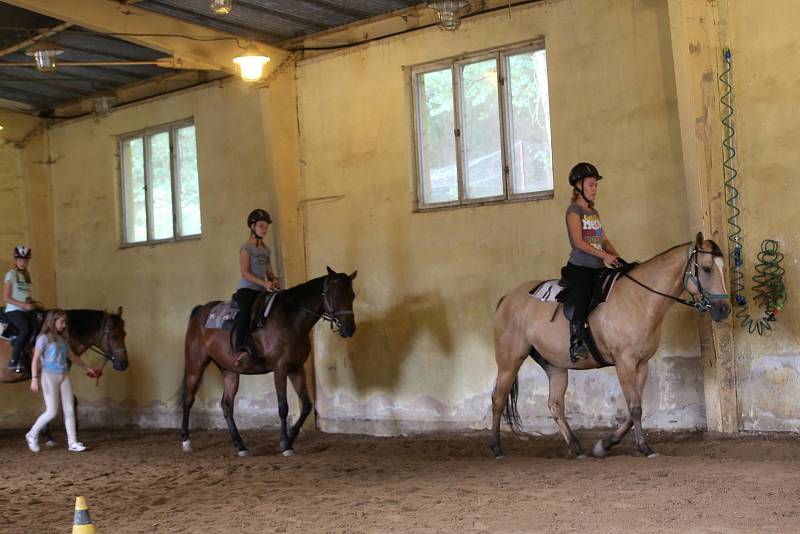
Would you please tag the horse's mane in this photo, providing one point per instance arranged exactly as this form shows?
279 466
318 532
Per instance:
294 294
83 324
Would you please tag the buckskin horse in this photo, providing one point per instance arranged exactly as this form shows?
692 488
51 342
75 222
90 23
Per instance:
98 330
626 330
281 342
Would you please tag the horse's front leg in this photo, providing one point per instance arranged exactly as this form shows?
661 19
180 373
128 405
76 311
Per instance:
283 410
231 387
48 436
298 379
632 378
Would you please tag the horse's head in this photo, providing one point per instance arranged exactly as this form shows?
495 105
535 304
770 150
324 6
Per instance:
112 339
337 301
705 278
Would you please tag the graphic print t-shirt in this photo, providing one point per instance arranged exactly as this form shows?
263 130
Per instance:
592 232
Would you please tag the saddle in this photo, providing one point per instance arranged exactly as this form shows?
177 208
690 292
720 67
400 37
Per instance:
558 291
223 315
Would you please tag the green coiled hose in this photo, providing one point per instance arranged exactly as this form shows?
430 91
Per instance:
769 290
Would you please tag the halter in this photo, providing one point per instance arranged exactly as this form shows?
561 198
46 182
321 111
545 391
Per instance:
690 273
105 330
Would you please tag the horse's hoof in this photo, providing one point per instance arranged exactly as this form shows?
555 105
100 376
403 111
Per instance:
652 455
50 443
581 457
288 452
245 453
599 450
186 446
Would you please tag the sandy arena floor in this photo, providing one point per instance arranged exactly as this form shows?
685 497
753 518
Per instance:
139 481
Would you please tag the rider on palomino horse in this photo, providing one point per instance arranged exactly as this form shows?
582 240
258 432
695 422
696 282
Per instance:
590 249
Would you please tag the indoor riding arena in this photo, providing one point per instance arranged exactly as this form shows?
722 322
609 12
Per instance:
399 266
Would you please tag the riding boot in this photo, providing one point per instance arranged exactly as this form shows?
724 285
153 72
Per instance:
577 348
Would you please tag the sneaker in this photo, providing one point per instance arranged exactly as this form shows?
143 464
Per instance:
76 447
33 442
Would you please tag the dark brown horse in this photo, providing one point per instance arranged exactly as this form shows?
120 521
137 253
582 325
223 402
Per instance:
282 344
626 328
100 331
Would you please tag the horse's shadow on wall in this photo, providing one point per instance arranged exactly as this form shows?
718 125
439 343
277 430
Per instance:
376 356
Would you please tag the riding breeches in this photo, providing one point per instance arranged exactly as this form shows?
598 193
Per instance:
581 282
24 323
53 386
245 298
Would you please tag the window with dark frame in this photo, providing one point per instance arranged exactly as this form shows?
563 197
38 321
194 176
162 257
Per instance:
160 187
483 128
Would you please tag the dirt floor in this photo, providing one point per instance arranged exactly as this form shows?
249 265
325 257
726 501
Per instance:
139 481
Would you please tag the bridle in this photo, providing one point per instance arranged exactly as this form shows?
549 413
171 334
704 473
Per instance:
105 331
690 274
328 313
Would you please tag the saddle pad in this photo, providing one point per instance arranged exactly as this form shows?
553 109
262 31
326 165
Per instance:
222 315
547 291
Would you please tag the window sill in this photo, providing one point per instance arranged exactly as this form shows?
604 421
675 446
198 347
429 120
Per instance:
540 195
161 241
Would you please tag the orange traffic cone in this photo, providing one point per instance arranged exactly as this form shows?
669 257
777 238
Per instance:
82 523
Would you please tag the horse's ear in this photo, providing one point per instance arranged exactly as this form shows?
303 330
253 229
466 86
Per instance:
119 311
353 276
330 271
699 239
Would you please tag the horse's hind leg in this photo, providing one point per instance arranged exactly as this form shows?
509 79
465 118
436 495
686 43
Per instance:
298 379
504 398
558 380
191 379
231 387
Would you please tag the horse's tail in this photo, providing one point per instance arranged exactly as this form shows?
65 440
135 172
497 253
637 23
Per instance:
510 414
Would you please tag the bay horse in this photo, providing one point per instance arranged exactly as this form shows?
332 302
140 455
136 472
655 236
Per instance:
98 330
282 344
626 330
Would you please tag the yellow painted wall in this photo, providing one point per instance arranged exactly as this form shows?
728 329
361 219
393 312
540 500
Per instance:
25 217
763 41
428 282
158 285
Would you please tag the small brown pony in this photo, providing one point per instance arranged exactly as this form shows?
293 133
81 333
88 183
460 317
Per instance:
282 343
626 329
98 330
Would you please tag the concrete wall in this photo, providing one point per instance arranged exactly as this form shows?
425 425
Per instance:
428 283
763 41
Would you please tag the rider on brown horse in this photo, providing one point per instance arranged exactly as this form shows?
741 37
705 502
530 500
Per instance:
257 276
19 306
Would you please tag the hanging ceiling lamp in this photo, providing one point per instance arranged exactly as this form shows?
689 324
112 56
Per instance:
44 53
251 64
448 12
221 7
103 102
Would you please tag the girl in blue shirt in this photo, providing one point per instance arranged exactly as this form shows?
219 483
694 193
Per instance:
50 371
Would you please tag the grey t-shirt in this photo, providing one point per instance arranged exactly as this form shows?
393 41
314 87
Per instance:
592 232
259 260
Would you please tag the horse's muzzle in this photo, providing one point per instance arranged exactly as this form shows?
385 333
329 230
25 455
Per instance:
120 363
347 330
720 310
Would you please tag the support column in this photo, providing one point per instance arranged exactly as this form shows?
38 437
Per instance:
696 54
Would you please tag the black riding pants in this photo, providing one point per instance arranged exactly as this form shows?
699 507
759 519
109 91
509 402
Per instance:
581 282
244 298
25 325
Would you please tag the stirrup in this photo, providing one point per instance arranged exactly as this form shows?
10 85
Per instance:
578 351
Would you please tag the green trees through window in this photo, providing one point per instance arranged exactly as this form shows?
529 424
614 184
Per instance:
483 128
160 186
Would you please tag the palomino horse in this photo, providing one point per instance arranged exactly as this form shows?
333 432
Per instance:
100 331
282 342
626 329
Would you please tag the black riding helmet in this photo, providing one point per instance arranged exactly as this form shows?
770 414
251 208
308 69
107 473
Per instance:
258 215
583 170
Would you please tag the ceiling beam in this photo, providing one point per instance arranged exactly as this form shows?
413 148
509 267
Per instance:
117 18
27 42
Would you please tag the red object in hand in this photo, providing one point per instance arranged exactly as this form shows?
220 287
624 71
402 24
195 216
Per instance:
96 374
